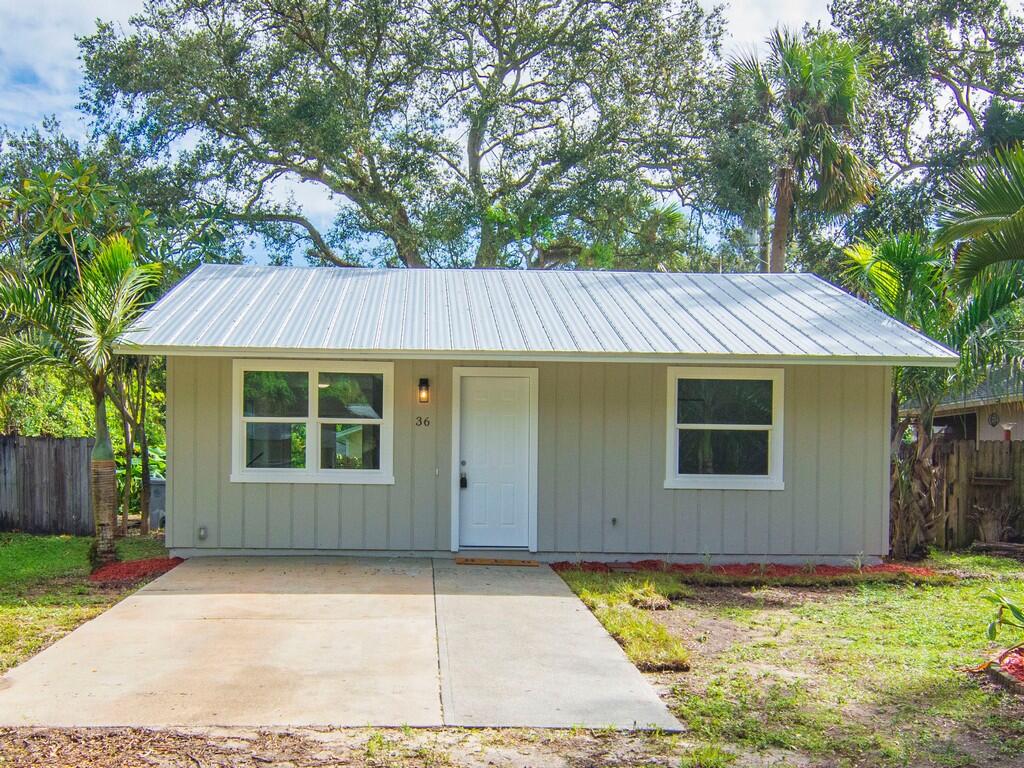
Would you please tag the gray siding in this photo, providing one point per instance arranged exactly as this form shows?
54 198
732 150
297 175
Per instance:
600 480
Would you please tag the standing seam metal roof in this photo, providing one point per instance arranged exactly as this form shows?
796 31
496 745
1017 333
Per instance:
223 309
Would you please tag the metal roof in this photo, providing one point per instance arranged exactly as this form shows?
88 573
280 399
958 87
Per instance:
1002 384
490 313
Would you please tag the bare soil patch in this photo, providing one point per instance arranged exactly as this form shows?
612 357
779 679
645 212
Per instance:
308 748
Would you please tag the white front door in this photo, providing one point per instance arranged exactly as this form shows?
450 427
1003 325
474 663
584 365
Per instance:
494 465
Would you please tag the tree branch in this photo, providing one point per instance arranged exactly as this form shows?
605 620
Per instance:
323 249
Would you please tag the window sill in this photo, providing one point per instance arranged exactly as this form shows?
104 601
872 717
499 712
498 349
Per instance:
723 483
304 478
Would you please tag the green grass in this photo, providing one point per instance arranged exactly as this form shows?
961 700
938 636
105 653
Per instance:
866 671
707 757
45 591
868 675
614 599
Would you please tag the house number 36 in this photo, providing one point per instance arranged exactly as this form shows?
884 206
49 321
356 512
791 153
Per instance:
422 421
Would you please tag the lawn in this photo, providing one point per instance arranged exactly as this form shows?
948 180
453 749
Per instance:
869 674
45 591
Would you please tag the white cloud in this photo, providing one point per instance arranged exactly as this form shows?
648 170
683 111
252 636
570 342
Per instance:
39 68
748 22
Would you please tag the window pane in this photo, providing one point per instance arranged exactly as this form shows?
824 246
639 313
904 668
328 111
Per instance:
724 401
350 446
275 393
351 395
723 452
275 446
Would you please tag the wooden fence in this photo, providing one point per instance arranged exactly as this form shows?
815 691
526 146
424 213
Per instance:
44 485
982 472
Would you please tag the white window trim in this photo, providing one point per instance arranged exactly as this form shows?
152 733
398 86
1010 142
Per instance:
773 481
312 472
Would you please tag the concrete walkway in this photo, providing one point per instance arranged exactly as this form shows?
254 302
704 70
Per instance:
518 648
281 641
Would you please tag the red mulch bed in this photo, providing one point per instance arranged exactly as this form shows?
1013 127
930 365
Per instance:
752 570
1013 665
133 570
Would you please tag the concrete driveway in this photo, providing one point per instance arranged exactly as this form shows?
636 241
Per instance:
288 641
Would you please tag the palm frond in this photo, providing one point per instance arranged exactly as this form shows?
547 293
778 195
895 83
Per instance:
747 70
899 274
29 349
993 304
984 212
1003 243
111 296
984 196
29 302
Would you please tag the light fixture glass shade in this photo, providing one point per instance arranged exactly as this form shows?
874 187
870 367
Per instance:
423 391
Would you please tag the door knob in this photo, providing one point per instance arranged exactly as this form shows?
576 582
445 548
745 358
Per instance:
463 482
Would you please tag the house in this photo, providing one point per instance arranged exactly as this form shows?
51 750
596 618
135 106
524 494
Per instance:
993 410
565 414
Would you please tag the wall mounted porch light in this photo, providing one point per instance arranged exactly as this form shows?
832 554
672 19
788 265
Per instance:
423 391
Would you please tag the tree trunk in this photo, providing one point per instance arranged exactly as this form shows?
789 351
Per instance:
104 478
144 445
405 240
129 453
894 414
487 251
764 233
783 216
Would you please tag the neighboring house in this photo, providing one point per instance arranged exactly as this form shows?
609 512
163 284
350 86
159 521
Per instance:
567 414
994 410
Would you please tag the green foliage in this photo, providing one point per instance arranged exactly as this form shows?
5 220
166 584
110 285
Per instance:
984 214
45 401
453 132
74 332
907 277
131 472
1009 615
56 220
810 92
146 198
941 64
1003 127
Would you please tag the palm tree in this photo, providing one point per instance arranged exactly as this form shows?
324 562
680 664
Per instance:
76 332
907 276
811 92
984 214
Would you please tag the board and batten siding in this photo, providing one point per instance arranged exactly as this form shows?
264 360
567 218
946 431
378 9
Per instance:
600 480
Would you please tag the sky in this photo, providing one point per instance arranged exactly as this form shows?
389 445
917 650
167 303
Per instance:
40 76
39 68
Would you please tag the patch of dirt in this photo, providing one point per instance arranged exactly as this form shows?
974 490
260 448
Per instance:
706 636
309 748
765 598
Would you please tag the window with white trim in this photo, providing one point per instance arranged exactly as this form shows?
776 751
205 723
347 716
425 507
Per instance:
724 428
312 422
